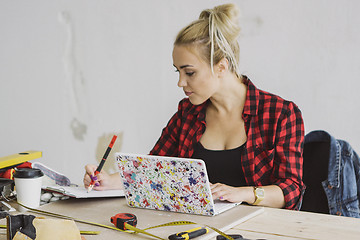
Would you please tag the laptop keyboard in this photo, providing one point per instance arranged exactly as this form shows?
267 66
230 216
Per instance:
222 205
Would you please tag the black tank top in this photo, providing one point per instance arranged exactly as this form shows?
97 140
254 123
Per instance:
223 166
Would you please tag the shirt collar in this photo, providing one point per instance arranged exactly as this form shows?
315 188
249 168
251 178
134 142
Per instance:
199 110
252 98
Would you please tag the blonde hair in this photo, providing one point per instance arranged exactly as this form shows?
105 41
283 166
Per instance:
216 34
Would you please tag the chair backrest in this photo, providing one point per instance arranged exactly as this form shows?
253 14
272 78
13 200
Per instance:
315 170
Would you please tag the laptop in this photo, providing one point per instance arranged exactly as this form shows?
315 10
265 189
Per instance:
169 184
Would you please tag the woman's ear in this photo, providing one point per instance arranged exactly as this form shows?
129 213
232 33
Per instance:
222 66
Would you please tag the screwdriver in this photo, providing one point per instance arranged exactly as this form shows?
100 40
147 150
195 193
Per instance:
192 233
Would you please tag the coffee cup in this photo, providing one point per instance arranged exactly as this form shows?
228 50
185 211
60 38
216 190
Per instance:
28 187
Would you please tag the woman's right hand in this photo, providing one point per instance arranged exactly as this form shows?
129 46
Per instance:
103 181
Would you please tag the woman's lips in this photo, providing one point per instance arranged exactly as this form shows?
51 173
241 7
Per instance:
187 93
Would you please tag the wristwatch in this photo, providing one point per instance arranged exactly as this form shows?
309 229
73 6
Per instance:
259 195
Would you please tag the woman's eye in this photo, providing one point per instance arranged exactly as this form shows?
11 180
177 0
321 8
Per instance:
190 73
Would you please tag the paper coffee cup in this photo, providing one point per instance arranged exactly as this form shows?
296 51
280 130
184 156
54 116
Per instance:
28 187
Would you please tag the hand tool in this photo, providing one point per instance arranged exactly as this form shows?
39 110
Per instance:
190 234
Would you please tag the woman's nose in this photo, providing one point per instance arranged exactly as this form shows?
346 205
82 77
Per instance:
181 82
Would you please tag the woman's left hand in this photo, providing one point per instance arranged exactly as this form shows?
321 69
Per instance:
274 196
232 194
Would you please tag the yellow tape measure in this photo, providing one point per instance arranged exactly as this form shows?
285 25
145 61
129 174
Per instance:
133 229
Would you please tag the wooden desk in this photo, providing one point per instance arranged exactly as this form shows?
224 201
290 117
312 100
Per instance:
286 224
268 223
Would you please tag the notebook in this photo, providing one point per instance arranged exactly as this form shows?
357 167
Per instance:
169 184
81 192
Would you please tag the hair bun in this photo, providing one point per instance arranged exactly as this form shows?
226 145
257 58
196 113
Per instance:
230 10
217 31
225 18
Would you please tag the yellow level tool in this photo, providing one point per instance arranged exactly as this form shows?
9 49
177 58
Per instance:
18 158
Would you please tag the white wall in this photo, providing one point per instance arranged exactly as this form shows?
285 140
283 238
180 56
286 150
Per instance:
75 72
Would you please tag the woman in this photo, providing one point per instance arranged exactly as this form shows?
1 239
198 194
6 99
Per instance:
251 140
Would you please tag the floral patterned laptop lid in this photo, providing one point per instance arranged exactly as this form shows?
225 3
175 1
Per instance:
166 183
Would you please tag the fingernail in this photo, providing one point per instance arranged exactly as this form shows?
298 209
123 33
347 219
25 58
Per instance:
97 184
94 178
221 198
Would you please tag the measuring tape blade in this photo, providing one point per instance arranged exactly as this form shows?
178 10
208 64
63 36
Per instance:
138 230
69 218
220 232
176 223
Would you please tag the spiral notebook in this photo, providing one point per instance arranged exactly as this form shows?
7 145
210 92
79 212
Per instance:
169 184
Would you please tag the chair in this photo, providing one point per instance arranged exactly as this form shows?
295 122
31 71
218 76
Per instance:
315 170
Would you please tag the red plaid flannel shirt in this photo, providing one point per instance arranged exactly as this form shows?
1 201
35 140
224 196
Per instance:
275 136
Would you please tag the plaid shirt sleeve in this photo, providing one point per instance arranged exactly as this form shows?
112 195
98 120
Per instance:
274 149
288 161
167 144
181 131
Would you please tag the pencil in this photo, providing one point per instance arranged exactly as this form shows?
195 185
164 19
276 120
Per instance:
98 170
